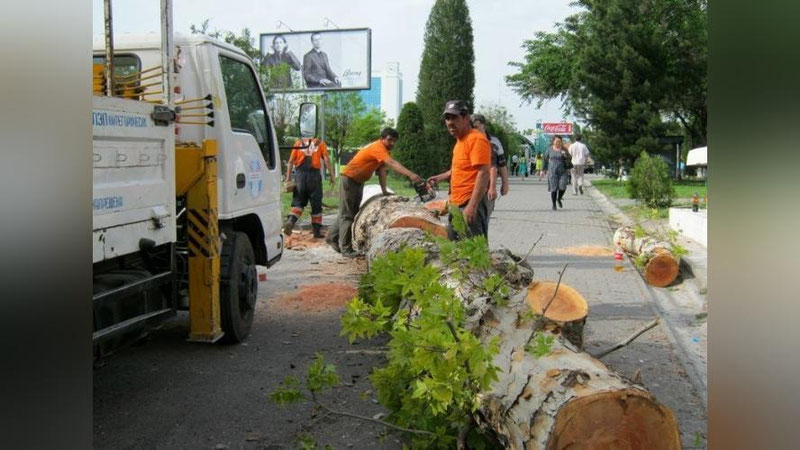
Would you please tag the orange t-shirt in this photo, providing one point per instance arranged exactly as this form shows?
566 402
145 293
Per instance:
316 150
366 162
469 153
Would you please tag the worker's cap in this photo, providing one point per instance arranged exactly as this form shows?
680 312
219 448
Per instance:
456 107
479 118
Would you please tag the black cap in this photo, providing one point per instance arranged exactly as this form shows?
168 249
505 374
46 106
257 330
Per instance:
457 107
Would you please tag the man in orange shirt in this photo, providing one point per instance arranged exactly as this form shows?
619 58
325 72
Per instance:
374 157
469 171
306 156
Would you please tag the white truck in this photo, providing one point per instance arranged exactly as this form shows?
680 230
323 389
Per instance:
186 190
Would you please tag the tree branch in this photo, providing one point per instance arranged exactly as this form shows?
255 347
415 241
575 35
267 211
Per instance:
627 341
370 419
461 442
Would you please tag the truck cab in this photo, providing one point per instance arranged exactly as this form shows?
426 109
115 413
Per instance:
152 161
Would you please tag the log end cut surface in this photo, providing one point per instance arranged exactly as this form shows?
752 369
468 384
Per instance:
661 270
624 420
437 206
568 305
437 229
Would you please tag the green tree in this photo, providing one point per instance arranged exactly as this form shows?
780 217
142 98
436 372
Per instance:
410 149
446 72
650 182
629 68
341 110
366 128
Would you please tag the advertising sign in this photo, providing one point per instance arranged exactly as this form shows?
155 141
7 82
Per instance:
322 60
557 128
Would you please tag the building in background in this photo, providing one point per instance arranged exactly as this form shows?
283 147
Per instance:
372 97
386 91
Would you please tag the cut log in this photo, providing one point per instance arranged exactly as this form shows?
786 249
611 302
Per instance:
380 213
565 399
660 263
567 312
437 206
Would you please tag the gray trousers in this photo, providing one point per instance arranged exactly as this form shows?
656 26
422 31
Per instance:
577 177
341 232
477 227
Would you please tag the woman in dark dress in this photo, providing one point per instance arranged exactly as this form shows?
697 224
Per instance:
555 166
284 61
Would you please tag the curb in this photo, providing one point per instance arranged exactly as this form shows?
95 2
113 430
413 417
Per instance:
698 381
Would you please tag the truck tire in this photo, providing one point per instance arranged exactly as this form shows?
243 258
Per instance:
238 287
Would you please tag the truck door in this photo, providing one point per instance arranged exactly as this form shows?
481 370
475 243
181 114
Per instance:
249 173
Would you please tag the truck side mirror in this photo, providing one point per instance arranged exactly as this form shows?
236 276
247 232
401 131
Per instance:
308 120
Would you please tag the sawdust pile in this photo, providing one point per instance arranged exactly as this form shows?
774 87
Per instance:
586 250
301 240
318 297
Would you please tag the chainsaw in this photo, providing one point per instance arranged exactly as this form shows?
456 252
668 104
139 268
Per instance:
425 192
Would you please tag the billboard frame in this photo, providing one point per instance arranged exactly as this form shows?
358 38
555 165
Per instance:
272 90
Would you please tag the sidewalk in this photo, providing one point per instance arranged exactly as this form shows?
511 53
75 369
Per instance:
619 301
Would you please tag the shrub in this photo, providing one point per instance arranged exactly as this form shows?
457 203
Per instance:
650 182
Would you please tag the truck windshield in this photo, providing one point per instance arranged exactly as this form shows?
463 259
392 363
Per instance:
246 105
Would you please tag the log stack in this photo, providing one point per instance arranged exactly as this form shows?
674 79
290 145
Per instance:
565 399
661 266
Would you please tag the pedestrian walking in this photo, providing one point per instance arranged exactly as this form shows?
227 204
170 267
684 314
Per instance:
580 154
498 161
556 170
469 171
307 157
514 164
375 157
539 166
523 166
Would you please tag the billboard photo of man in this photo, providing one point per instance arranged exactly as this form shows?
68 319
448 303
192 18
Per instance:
317 71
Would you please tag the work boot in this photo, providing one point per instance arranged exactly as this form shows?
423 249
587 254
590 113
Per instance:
317 227
289 224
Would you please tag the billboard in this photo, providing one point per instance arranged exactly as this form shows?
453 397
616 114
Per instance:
557 128
318 60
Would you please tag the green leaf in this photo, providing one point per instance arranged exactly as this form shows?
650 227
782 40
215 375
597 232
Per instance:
287 392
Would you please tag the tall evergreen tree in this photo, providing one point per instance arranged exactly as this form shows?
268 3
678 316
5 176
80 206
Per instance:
411 149
447 72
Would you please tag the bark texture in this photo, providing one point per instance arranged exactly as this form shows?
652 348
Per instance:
661 266
380 213
564 400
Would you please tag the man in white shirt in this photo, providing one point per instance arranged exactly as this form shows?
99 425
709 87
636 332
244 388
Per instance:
579 153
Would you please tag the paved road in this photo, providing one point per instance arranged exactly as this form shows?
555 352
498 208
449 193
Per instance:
619 301
168 393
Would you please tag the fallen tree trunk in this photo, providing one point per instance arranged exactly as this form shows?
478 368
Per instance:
564 399
660 263
380 213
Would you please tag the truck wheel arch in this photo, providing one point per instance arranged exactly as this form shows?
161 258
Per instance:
249 224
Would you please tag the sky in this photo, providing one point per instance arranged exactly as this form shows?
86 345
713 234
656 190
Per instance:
398 27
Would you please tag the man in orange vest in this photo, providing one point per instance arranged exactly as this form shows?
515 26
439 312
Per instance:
469 171
308 182
373 157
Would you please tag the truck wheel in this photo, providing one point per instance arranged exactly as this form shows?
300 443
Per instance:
238 287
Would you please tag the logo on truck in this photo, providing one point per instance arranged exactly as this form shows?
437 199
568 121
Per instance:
255 177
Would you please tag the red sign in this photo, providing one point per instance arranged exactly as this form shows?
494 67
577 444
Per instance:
557 128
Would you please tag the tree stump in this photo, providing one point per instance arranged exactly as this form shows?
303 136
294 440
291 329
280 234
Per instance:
661 265
567 312
564 400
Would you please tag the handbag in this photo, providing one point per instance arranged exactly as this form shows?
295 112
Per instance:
567 160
